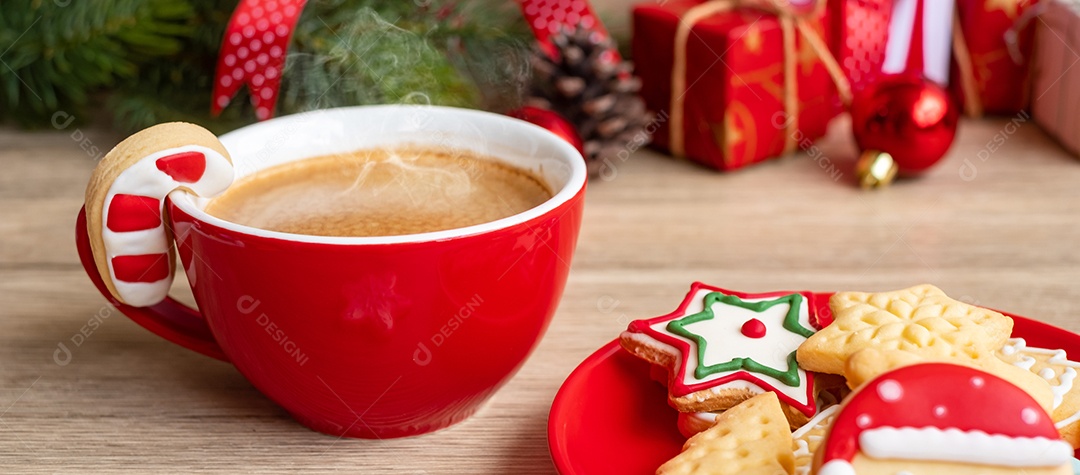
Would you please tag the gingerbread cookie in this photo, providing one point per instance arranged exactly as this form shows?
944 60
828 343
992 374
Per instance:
939 418
723 347
806 440
131 242
751 438
831 389
1060 373
692 423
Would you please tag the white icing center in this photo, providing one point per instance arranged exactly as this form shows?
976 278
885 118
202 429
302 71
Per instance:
954 445
723 332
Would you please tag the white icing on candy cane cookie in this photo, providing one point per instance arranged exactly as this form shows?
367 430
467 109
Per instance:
132 246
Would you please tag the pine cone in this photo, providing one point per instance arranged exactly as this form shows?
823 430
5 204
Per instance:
595 93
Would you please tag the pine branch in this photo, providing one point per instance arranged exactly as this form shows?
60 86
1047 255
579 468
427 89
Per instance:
158 58
55 55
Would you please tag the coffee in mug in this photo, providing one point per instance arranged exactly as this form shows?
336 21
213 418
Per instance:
380 192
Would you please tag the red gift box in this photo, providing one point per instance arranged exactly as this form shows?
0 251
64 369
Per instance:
1000 84
1056 84
733 103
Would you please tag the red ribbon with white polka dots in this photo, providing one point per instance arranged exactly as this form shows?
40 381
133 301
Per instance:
257 38
253 53
548 17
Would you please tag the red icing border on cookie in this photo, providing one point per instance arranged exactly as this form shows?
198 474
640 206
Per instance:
821 315
675 384
939 395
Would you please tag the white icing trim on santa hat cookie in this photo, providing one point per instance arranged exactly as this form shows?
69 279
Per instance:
837 467
955 445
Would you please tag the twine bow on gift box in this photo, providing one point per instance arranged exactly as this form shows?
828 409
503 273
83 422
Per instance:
792 16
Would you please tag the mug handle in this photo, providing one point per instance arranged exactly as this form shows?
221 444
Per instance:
169 319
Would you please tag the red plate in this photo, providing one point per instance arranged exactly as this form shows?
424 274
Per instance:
610 417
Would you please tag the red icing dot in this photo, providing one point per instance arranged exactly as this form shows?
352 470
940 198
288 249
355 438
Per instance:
184 167
753 328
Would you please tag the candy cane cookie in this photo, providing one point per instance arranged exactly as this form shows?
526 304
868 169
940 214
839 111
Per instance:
131 242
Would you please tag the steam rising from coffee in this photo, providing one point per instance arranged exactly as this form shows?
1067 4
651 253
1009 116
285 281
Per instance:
407 169
379 60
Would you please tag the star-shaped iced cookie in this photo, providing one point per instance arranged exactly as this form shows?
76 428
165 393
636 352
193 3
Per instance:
1054 366
751 438
722 347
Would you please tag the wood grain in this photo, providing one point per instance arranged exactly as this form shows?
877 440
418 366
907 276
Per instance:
129 400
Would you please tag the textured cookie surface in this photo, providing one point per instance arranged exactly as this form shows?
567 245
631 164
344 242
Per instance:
920 319
750 438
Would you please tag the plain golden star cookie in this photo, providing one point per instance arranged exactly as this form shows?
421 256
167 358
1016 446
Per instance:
920 319
751 438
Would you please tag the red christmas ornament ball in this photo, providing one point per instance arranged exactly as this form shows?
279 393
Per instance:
906 116
551 121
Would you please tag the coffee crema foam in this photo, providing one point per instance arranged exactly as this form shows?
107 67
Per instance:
380 192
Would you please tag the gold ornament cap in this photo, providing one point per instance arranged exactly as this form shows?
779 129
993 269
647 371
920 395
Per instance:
875 169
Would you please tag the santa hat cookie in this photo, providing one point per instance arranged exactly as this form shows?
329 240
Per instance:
131 244
942 418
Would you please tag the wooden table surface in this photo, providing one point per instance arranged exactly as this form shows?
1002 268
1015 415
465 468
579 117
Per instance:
1004 236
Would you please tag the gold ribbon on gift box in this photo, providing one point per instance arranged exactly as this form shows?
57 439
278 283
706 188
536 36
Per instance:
792 20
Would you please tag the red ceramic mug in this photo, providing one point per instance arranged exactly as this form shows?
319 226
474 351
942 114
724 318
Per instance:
373 336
